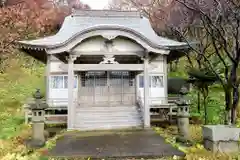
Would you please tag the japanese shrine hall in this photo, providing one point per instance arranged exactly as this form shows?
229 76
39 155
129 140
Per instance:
106 67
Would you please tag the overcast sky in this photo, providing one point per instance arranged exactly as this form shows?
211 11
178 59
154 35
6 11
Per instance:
96 4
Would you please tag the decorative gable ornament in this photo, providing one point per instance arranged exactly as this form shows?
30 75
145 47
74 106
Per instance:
108 46
108 59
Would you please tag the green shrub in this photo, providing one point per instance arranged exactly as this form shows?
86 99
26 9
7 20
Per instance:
17 84
175 84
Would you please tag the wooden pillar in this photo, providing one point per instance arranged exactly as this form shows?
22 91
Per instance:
122 88
48 79
146 93
165 79
71 107
108 85
137 86
79 85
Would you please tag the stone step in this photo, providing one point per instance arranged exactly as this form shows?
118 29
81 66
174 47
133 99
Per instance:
122 120
109 118
116 120
107 106
105 109
109 122
112 114
106 126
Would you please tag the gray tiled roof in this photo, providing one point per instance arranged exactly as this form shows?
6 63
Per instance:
79 21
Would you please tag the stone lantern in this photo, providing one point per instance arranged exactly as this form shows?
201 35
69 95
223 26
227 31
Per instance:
38 117
183 116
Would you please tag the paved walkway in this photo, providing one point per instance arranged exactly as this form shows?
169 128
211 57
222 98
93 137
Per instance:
122 144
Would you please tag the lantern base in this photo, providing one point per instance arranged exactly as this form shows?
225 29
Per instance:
35 144
184 141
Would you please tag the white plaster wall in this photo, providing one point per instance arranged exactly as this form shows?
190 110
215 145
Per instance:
125 45
55 67
158 66
58 97
96 44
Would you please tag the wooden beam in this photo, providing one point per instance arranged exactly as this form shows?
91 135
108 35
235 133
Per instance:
140 53
105 67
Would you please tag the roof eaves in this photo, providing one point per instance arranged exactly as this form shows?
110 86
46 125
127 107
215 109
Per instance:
179 46
25 45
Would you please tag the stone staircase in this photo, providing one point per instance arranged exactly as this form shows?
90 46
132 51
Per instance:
104 118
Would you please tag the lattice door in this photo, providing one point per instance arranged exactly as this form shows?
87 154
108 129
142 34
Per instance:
108 88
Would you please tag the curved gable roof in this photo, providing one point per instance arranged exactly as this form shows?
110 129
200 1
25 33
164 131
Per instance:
80 22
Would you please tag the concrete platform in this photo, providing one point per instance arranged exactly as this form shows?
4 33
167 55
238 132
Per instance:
114 144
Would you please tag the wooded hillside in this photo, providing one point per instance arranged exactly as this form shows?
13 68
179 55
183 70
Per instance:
212 30
20 74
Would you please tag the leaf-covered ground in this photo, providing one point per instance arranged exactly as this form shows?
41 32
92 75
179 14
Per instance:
14 149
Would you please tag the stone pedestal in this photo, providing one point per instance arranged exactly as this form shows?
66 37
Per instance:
38 118
183 121
183 124
38 138
183 117
221 138
38 132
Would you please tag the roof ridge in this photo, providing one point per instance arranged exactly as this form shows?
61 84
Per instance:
105 13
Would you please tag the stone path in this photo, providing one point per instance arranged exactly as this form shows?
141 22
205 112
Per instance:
137 144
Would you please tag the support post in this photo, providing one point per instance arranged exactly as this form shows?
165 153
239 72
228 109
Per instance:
79 85
71 107
108 85
47 78
146 93
165 79
137 87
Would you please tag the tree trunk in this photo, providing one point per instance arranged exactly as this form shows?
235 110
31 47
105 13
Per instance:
198 102
235 93
227 104
205 96
205 111
233 115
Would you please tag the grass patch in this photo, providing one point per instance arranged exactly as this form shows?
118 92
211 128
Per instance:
11 127
17 84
